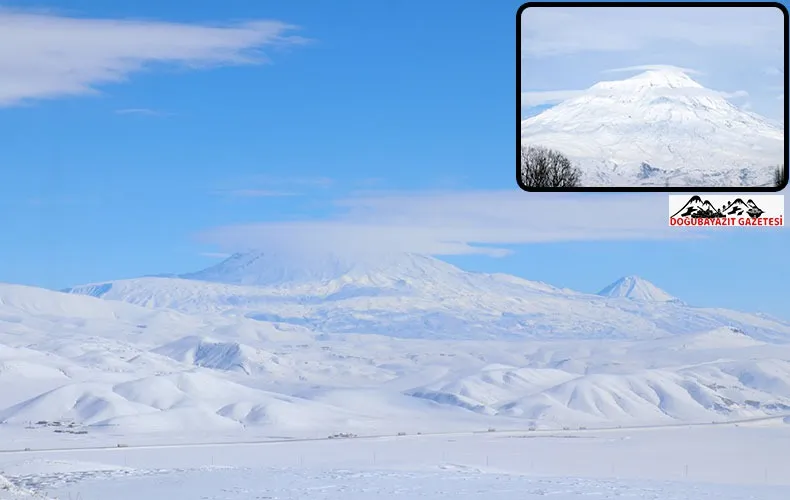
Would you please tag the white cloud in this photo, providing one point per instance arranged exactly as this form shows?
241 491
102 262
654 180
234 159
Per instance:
652 67
49 56
548 31
471 222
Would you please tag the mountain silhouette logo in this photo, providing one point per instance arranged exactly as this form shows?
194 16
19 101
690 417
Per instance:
697 208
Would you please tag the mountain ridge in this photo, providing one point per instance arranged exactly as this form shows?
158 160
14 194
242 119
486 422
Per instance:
460 350
432 300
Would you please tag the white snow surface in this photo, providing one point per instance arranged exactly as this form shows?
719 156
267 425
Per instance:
659 128
260 349
684 463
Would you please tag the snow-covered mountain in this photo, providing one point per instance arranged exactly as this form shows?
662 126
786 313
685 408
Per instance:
416 296
84 364
370 344
328 270
636 288
659 128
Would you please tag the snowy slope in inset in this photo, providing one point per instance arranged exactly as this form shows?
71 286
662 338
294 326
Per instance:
659 128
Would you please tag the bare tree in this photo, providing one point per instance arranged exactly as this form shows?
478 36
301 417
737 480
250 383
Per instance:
779 175
546 168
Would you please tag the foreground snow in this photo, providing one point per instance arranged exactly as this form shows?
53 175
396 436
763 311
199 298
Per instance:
245 484
681 463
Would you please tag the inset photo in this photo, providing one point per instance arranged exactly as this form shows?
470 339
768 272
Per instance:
652 96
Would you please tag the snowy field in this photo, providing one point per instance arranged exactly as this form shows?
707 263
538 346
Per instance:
725 462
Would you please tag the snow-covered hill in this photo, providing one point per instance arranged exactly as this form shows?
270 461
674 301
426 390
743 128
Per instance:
415 296
403 343
659 128
128 376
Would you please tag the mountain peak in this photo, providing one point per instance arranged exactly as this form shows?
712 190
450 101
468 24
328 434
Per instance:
666 77
294 266
655 80
636 288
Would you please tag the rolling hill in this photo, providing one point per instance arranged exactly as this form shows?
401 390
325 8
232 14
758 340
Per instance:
404 342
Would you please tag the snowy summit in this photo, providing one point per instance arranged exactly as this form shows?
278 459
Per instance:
636 288
292 266
659 128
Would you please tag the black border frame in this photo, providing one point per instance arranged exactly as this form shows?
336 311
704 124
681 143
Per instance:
656 189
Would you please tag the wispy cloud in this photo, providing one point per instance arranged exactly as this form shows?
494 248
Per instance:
460 222
653 67
56 56
141 112
548 31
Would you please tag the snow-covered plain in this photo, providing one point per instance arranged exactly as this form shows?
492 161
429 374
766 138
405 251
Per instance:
660 128
285 350
728 462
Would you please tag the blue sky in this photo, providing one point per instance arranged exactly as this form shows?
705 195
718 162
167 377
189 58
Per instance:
736 52
158 144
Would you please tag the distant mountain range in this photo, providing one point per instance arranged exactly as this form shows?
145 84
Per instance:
416 296
310 343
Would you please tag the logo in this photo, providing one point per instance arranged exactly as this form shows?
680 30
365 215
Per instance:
722 210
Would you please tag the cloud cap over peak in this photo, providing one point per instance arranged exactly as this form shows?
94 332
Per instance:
457 222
